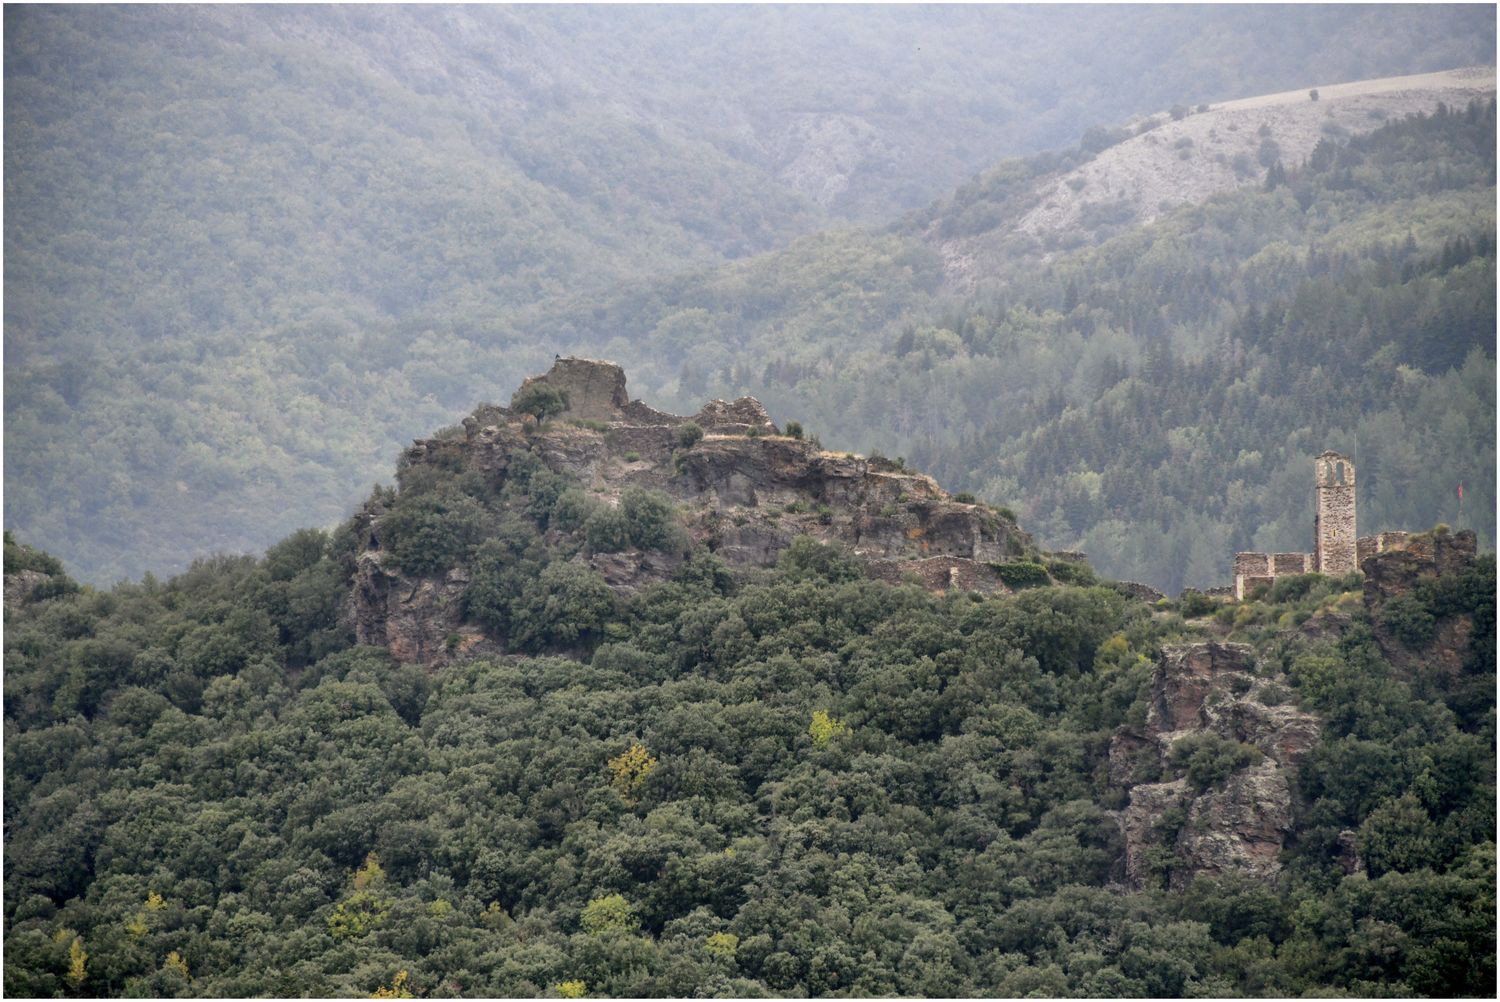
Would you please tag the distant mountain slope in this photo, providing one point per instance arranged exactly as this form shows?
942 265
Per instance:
1156 399
250 250
1175 158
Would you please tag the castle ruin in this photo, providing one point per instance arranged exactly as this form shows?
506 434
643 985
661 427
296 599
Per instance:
1337 546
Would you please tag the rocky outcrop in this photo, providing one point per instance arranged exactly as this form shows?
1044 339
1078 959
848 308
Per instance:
743 489
1239 825
20 584
595 391
417 619
1396 573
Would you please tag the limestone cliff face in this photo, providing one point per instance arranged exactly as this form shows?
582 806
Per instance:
1239 825
743 489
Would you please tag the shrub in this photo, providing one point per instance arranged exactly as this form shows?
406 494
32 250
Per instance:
964 497
1292 587
571 510
1207 759
540 400
794 429
1068 572
568 604
632 456
433 531
649 518
607 530
1274 694
1022 574
808 558
19 557
689 435
1193 603
1410 620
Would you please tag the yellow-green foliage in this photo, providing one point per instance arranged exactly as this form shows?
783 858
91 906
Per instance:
611 913
570 989
395 990
77 964
825 728
496 917
723 945
365 908
175 962
629 770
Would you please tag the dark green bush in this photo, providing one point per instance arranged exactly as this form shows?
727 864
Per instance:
607 530
1410 619
19 557
650 519
434 531
1193 603
689 435
1207 759
567 605
1068 572
1023 574
1292 587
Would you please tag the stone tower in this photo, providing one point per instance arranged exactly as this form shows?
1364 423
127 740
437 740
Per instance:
1333 525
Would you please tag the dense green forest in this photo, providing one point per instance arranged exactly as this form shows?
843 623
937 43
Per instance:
791 781
250 251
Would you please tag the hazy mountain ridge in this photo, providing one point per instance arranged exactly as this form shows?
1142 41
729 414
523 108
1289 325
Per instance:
251 251
1179 157
1375 258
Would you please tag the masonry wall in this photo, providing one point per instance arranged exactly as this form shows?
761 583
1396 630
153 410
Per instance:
1380 542
1254 569
1336 547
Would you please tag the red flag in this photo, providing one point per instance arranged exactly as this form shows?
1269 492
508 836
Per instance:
1460 491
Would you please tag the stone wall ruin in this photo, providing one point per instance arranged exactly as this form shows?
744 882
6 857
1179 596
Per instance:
1337 548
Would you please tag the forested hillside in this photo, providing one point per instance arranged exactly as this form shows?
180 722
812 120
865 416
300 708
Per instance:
1154 400
249 251
768 783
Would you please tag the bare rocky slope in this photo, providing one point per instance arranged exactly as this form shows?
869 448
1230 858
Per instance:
744 488
1189 156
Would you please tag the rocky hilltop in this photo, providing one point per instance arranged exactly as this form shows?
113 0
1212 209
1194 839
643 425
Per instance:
742 486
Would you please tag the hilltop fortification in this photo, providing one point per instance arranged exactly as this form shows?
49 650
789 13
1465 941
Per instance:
741 486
